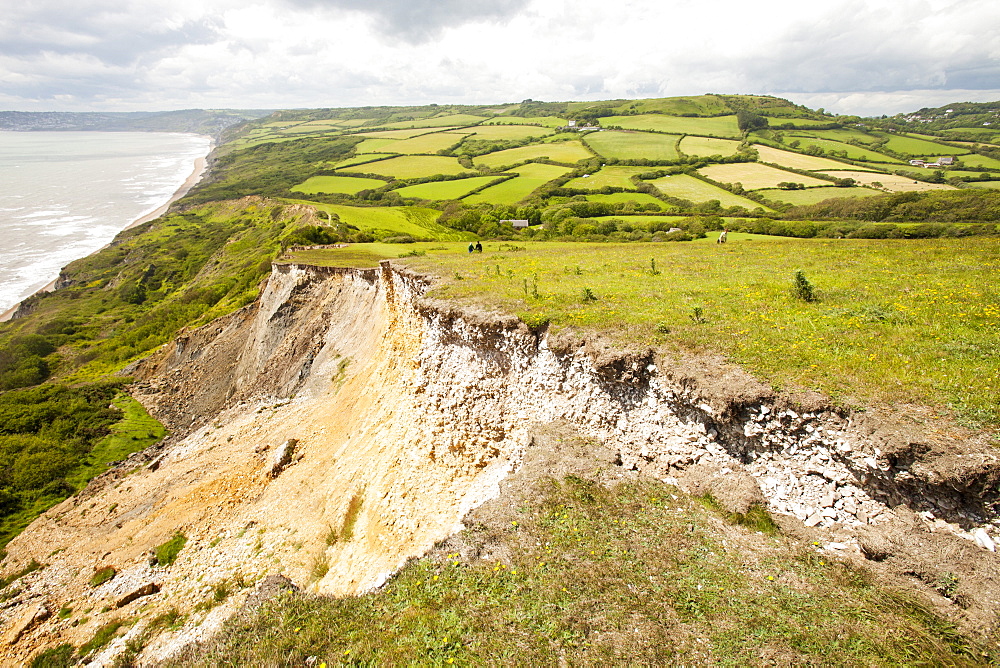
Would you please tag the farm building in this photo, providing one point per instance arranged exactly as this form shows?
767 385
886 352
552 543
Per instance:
518 224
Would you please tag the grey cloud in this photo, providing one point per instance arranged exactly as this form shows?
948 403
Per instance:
417 21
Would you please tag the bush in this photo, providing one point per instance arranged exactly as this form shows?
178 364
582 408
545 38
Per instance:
803 288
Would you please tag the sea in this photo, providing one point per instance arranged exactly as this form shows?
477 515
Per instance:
64 195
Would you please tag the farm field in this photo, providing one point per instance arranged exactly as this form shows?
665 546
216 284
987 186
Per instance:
883 331
377 146
544 121
813 195
415 166
719 126
617 176
569 152
456 120
974 160
708 146
891 182
362 159
753 175
694 189
632 145
620 198
920 148
398 134
336 184
853 152
531 176
429 143
837 134
698 105
441 190
488 132
990 185
418 222
796 160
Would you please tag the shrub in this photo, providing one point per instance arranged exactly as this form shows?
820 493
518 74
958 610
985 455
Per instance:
803 288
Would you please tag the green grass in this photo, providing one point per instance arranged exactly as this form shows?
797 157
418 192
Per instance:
797 160
427 144
531 177
755 175
395 134
543 121
414 166
634 575
694 189
456 120
919 147
361 159
618 176
377 146
991 185
973 160
632 145
620 198
891 182
441 190
813 195
490 132
896 320
168 552
708 146
102 575
569 152
336 184
387 221
719 126
853 152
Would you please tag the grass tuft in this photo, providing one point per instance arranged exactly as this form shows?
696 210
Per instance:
166 553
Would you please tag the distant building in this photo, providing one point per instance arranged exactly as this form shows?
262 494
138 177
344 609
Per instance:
917 163
946 160
517 224
571 124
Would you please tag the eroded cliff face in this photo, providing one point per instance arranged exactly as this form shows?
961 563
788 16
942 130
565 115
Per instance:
343 424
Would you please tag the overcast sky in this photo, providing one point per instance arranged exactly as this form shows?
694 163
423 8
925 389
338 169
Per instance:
850 56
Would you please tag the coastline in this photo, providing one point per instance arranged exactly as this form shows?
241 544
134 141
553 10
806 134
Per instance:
200 167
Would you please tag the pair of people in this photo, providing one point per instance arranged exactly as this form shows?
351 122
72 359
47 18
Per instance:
477 247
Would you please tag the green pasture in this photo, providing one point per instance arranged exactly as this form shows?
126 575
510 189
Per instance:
853 152
895 320
616 176
708 146
544 121
891 182
969 172
974 160
395 134
569 152
530 177
355 122
697 105
494 132
719 126
920 148
387 221
796 160
797 123
632 145
753 175
349 185
427 144
455 120
442 190
837 134
362 159
991 185
622 198
813 195
377 146
685 186
415 166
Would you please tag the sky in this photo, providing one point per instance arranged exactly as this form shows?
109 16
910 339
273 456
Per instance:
865 57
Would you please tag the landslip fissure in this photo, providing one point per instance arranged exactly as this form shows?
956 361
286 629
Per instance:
345 422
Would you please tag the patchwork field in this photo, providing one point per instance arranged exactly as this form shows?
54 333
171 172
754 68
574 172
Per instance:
418 222
753 175
456 120
837 134
377 146
349 185
531 176
617 176
415 166
430 143
362 159
920 147
708 146
544 121
442 190
397 134
974 160
569 152
891 182
813 195
694 189
489 132
621 198
853 152
796 160
632 145
718 126
991 185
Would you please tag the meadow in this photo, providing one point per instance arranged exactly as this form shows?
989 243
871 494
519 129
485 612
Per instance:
753 175
414 166
632 145
336 184
530 177
418 222
441 190
919 147
621 198
717 126
708 146
428 143
813 195
792 160
617 176
853 152
694 189
890 182
488 132
568 152
542 121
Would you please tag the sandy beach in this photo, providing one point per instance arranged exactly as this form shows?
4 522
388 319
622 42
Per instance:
200 166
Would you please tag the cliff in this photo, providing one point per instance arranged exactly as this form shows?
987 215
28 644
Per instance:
344 423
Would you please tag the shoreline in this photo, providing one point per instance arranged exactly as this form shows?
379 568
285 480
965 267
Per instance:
200 167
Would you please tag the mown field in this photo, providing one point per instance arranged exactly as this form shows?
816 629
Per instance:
568 152
694 189
753 175
612 175
708 146
638 198
336 184
439 190
891 182
414 166
796 160
632 145
530 177
719 126
813 195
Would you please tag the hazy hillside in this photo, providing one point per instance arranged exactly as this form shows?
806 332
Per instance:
209 122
